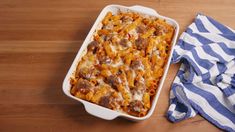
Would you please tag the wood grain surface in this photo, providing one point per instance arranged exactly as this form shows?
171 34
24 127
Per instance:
38 42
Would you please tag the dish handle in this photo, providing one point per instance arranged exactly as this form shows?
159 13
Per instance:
144 9
101 112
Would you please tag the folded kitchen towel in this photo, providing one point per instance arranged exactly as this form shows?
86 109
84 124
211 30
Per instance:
205 82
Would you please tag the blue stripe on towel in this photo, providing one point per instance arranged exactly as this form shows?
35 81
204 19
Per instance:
200 25
220 27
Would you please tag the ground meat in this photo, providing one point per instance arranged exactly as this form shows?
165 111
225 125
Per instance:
127 19
141 43
136 64
141 29
160 30
124 42
104 60
83 86
85 73
140 86
108 37
119 72
105 101
136 106
93 46
113 80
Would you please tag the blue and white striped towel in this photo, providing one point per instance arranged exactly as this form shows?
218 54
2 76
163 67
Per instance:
205 83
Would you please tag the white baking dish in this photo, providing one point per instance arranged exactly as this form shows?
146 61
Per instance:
100 111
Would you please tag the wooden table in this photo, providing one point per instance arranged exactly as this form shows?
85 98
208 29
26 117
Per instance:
38 42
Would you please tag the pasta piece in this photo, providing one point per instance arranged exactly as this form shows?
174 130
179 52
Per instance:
133 25
89 95
73 81
103 32
108 50
131 78
116 17
146 100
160 62
105 73
80 95
73 91
94 81
126 96
99 93
158 73
154 60
142 113
98 38
148 33
152 91
106 18
150 47
128 59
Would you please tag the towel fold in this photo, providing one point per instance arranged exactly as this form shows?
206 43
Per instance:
205 82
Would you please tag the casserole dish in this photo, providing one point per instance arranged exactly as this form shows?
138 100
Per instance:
100 111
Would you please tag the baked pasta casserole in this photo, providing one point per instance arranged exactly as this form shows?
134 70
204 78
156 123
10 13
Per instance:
124 63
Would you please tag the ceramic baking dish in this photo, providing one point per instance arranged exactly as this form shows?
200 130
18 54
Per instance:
100 111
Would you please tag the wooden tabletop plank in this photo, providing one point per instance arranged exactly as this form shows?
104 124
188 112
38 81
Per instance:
38 42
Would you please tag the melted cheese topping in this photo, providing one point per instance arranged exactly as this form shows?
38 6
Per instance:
118 64
138 96
133 33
